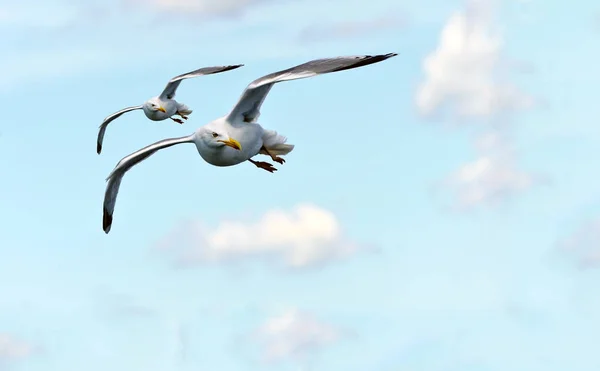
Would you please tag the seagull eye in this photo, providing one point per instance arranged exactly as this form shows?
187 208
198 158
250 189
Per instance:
215 135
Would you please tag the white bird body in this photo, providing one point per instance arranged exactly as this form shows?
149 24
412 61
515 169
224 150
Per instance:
169 105
163 106
236 137
250 139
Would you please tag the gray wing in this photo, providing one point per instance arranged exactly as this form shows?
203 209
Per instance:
171 88
107 121
248 107
115 177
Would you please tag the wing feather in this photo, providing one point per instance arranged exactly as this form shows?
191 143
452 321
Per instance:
107 121
115 177
173 84
248 106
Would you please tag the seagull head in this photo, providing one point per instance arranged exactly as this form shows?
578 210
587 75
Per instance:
215 137
155 105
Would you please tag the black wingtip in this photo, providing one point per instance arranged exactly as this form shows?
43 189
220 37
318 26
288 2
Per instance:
366 60
106 221
98 148
380 57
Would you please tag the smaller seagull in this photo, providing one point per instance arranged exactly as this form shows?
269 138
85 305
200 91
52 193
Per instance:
164 106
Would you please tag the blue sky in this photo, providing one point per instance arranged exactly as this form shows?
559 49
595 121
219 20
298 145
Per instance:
440 210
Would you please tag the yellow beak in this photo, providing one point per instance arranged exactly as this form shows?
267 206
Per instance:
232 143
162 110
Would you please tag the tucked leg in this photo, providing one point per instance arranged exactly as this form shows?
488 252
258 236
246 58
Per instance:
263 165
176 120
273 157
182 115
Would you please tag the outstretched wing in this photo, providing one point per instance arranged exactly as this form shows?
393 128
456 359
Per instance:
248 107
115 177
107 121
173 84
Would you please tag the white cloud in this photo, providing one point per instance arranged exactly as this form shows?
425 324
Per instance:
463 74
305 236
492 178
466 77
295 335
584 244
488 180
201 7
11 348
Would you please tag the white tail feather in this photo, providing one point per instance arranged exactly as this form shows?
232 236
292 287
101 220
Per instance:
275 144
183 109
279 149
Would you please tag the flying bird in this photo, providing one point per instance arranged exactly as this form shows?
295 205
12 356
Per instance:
164 106
236 137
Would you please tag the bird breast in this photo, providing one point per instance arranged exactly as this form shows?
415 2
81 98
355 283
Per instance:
169 106
222 156
250 137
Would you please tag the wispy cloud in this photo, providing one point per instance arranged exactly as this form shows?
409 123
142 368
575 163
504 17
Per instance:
492 178
466 79
463 75
306 236
349 29
200 8
295 335
54 40
12 348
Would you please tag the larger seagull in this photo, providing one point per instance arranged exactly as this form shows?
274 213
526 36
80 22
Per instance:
163 106
236 137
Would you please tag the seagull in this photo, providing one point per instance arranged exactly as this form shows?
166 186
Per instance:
236 137
164 106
